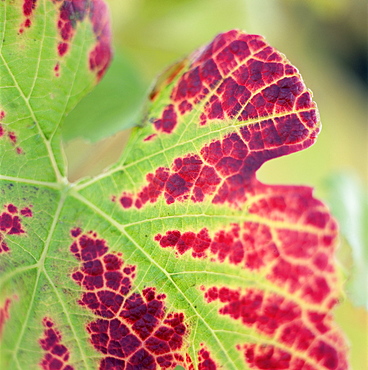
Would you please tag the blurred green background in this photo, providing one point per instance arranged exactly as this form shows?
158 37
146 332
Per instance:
325 39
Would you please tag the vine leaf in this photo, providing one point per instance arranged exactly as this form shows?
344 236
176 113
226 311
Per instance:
177 255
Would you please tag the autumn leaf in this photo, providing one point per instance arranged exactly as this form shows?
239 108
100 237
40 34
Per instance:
177 255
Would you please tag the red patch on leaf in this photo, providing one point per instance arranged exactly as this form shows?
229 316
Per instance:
10 223
283 320
150 137
224 170
188 178
240 77
26 212
62 48
28 8
100 56
205 362
133 330
244 77
265 312
71 13
57 355
298 260
4 314
271 357
168 121
266 356
57 69
9 135
12 137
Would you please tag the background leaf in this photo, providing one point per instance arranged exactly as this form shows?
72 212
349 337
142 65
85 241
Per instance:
112 106
349 204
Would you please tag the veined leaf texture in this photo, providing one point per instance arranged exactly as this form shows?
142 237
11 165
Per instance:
176 255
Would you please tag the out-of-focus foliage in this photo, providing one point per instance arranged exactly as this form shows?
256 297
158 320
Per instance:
349 204
112 106
326 39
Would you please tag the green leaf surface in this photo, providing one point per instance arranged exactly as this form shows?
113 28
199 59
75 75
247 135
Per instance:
177 255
